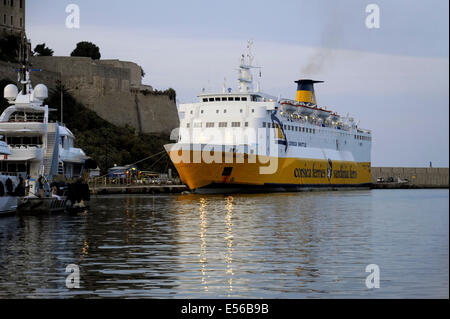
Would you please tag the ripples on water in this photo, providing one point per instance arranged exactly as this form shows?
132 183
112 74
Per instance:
289 245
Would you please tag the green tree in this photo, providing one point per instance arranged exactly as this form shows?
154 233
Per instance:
42 50
87 49
9 48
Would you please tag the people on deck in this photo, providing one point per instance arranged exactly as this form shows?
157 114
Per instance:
41 186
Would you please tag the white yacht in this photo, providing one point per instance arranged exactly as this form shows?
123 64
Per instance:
8 184
41 152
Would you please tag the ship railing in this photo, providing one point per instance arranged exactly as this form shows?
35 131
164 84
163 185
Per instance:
13 174
25 146
364 131
26 120
317 123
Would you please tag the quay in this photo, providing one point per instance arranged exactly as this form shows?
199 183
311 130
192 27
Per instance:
411 177
137 189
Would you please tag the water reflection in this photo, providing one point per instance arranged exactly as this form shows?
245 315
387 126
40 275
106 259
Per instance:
249 246
229 240
84 250
203 259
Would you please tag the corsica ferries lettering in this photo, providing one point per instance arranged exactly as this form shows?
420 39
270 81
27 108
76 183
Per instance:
308 173
322 173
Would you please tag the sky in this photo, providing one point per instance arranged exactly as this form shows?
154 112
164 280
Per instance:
394 79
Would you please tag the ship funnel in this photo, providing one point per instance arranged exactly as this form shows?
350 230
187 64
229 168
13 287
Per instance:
305 91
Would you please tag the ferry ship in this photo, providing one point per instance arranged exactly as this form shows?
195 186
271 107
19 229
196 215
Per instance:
250 140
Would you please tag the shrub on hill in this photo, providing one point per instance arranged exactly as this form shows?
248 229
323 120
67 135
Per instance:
87 49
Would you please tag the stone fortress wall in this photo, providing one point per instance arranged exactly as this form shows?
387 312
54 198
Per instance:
111 88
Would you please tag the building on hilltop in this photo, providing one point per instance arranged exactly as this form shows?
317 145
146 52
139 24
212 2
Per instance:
12 24
111 88
12 17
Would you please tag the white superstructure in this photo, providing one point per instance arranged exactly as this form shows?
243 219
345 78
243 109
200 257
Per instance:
38 147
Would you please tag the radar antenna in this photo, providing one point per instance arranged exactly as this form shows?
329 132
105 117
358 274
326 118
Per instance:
245 78
23 73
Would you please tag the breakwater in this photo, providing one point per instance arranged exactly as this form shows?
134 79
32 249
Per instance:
412 177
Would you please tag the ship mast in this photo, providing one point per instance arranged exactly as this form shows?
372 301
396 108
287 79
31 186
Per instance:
245 77
24 80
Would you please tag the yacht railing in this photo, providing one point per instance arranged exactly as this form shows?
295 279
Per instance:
25 146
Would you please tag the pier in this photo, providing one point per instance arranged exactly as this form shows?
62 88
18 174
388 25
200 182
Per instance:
135 189
412 177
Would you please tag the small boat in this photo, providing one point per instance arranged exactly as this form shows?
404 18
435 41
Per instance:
70 198
37 206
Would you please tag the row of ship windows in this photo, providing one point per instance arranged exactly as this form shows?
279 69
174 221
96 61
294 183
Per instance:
15 141
212 124
363 138
238 124
269 125
290 127
309 130
218 111
11 167
229 98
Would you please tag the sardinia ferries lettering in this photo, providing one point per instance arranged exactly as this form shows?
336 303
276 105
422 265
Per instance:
322 173
346 174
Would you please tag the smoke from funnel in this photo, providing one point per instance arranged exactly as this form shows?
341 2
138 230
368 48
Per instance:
329 39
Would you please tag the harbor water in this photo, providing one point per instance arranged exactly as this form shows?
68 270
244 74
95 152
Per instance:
286 245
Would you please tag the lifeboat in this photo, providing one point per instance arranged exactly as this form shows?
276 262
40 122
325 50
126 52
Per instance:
322 113
334 117
288 107
300 108
305 110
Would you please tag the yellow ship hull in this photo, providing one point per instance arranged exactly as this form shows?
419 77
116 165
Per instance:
290 173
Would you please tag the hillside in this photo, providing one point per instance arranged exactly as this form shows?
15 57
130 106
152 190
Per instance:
106 143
